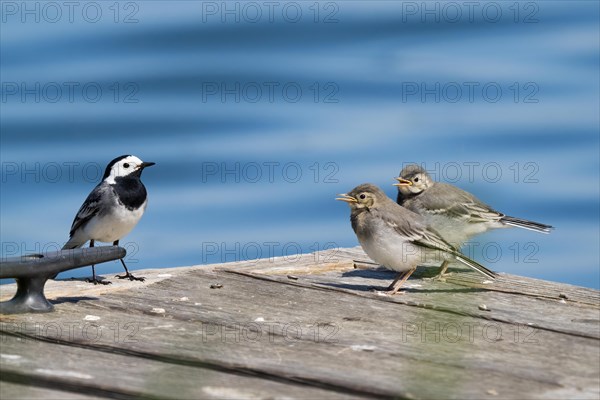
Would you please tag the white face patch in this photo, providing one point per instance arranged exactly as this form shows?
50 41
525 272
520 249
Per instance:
123 168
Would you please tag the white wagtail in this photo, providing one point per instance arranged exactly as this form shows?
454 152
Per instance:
396 237
456 214
112 209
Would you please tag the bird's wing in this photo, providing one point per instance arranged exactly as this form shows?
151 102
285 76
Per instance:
90 208
453 202
416 231
411 226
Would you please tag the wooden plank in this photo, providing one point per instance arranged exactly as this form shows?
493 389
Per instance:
513 299
341 260
25 391
327 331
80 372
513 309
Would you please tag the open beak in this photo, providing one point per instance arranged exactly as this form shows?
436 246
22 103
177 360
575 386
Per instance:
347 198
402 182
146 164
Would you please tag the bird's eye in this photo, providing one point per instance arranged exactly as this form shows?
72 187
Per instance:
362 196
417 179
126 165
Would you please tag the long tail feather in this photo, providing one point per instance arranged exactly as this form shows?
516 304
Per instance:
72 244
476 266
525 224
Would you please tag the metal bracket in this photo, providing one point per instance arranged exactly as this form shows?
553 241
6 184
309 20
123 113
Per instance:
32 271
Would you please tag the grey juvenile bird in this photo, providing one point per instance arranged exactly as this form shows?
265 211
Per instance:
396 237
456 214
112 209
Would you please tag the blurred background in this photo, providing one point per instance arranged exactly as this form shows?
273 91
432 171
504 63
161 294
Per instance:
258 113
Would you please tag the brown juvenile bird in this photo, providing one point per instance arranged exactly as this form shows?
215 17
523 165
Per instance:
456 214
396 237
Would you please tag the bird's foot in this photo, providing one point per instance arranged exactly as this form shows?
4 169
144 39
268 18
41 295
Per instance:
387 292
97 281
394 292
131 277
391 290
437 278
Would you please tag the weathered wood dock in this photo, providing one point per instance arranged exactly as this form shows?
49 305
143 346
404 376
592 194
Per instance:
308 326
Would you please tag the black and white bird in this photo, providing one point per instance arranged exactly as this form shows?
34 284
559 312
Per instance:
112 209
456 214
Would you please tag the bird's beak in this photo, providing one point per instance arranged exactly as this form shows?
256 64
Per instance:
146 164
402 182
347 198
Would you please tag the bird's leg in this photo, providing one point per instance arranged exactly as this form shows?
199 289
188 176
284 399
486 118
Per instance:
399 281
95 280
441 271
127 274
399 276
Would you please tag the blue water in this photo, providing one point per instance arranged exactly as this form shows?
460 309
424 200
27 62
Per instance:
257 117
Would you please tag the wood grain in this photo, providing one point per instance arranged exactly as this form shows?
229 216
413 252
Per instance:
323 333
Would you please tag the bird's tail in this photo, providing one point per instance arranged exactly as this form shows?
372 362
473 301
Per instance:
525 224
475 265
72 244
